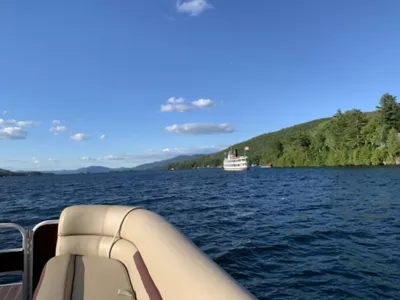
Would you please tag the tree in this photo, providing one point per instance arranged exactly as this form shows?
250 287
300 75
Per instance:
348 138
389 114
393 145
353 123
372 132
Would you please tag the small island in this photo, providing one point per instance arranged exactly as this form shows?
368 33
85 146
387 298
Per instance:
351 138
4 173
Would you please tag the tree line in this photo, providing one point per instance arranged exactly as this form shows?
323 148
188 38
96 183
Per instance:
351 138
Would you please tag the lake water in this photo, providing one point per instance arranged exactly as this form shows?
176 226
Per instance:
282 233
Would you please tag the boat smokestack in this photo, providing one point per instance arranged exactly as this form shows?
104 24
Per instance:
236 152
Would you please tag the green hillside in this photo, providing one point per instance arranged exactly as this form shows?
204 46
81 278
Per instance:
4 173
159 165
352 138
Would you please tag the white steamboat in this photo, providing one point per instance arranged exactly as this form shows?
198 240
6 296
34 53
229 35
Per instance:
234 162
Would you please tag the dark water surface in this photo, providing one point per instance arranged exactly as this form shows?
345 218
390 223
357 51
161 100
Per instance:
282 233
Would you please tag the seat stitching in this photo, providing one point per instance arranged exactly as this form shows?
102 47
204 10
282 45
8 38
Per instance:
73 279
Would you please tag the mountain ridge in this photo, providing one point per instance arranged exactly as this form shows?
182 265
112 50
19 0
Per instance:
157 165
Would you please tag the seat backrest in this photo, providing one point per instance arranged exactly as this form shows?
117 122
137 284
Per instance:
161 262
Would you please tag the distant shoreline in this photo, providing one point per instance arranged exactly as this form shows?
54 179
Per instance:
6 173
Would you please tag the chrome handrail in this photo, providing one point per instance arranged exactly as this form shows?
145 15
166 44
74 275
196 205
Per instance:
48 222
32 234
25 248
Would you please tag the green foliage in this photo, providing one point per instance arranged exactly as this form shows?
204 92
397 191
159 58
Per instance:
4 173
352 138
389 114
393 145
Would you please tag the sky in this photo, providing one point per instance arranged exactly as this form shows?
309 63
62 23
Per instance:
120 83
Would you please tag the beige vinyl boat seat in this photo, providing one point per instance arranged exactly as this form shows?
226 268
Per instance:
119 252
84 277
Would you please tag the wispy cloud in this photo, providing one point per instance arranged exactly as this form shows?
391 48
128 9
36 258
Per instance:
53 160
13 133
27 123
36 162
178 104
103 136
79 137
192 7
12 122
110 157
203 103
174 100
174 107
194 150
175 104
4 112
87 158
56 130
200 128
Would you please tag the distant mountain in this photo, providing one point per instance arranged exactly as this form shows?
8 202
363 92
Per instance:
4 172
86 170
158 165
94 169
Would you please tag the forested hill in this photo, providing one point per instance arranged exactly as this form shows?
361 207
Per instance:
4 173
352 138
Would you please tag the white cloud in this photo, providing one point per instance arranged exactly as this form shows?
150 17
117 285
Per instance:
102 137
13 133
203 103
174 107
36 162
87 158
192 7
174 100
12 122
200 128
113 157
27 123
80 137
193 150
58 129
107 157
53 160
178 104
175 104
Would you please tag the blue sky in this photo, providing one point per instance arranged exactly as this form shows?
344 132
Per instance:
158 78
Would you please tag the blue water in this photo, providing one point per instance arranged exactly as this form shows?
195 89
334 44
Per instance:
282 233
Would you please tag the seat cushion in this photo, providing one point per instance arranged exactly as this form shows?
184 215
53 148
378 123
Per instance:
84 278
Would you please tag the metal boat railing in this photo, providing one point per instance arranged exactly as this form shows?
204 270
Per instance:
29 260
11 258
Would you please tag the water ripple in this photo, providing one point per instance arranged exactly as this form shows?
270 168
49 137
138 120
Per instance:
283 233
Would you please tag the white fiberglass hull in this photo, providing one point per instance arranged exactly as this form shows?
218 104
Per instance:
235 168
